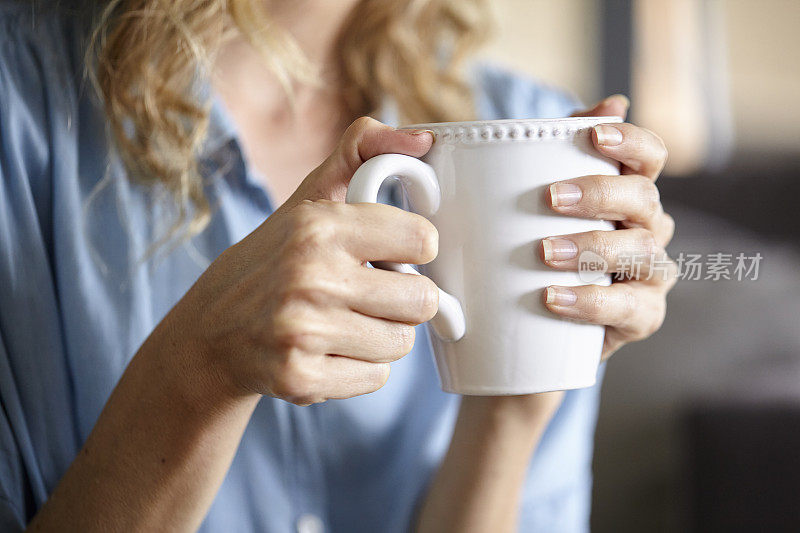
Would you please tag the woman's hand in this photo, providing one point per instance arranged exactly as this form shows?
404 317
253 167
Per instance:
292 311
479 483
633 307
265 318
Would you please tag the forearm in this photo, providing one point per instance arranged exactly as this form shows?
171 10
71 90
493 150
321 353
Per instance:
479 483
158 452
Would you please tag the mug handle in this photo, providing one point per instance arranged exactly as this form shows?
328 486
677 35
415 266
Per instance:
422 189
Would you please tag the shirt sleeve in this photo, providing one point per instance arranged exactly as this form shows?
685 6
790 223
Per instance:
13 482
35 434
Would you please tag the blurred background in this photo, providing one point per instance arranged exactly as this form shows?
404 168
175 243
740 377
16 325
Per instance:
700 425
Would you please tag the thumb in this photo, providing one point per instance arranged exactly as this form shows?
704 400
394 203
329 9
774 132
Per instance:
365 138
615 105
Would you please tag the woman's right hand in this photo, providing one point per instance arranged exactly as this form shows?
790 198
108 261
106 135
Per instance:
292 310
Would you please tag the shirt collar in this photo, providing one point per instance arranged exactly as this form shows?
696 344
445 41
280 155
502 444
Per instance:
221 129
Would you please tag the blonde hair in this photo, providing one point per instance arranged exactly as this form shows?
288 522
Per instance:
146 58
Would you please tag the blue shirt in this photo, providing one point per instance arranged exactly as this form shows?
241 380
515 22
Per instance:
75 305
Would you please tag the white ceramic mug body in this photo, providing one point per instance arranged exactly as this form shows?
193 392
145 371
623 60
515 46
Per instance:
493 177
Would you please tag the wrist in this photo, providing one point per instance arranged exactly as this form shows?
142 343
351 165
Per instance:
196 379
481 478
526 414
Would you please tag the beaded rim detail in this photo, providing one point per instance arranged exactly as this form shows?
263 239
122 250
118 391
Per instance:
493 131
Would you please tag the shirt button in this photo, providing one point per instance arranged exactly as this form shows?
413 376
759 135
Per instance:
309 523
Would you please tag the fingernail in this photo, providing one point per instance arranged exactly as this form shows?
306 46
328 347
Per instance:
618 97
560 296
564 194
559 249
415 132
608 135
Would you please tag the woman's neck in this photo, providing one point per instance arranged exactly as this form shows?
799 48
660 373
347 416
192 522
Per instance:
314 25
284 142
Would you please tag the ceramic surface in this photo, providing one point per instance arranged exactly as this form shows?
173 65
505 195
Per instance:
483 185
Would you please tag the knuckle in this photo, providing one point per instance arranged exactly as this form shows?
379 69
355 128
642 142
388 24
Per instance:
661 151
406 336
427 299
384 377
355 132
290 334
645 243
304 210
289 341
306 284
599 242
426 238
361 124
595 304
669 228
380 376
629 305
642 322
631 249
312 232
350 147
604 192
654 150
310 292
651 198
671 274
295 382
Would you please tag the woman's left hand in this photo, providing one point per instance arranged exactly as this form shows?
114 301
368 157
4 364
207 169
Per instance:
633 307
479 483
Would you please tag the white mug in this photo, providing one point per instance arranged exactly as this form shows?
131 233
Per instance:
483 186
